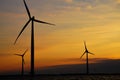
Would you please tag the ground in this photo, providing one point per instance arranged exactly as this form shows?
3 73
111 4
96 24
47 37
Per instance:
63 77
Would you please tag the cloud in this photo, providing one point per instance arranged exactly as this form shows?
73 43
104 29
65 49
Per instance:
69 1
118 1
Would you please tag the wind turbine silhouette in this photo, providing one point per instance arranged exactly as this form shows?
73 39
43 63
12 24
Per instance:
86 52
32 20
23 61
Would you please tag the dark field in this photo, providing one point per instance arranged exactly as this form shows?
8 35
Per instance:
63 77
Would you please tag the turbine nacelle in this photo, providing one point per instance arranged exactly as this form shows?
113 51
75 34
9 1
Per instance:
86 51
33 18
22 55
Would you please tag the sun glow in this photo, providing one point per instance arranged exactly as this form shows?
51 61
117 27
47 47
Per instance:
76 21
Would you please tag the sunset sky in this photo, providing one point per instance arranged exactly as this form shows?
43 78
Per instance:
95 21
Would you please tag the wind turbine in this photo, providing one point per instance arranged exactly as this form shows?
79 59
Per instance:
86 52
32 20
23 61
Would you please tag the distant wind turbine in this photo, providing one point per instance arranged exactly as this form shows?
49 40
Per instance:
86 52
32 20
23 61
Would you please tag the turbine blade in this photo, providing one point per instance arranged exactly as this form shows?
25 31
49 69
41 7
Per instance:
22 31
85 45
82 55
25 52
91 53
43 22
18 54
27 9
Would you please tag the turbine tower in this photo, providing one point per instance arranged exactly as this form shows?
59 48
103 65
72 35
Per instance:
23 61
32 19
86 52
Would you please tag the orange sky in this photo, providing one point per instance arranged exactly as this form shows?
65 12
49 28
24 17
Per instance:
95 21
